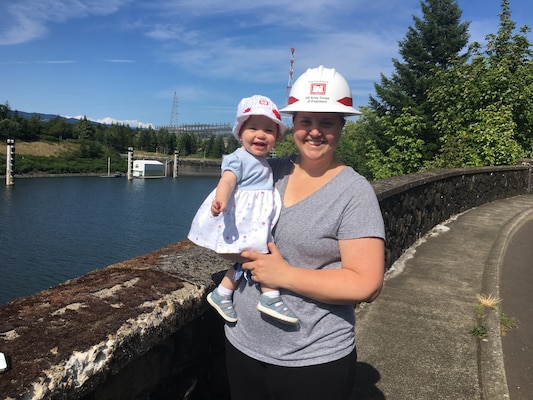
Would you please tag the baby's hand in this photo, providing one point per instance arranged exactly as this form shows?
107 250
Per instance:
217 207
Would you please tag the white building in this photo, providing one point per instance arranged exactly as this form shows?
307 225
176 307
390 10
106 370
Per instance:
148 169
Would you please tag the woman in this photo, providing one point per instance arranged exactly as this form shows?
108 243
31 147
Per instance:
328 255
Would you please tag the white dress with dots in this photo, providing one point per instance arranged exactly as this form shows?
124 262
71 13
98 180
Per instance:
251 212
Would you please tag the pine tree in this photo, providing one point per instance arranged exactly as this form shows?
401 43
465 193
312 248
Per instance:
433 44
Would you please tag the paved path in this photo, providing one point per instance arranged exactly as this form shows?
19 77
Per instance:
415 340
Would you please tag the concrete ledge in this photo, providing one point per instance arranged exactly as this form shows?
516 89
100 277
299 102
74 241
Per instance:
68 340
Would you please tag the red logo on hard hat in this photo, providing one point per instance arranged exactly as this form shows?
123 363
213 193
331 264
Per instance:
293 100
347 101
318 88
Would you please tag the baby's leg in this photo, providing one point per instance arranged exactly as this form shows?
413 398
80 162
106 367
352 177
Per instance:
228 281
222 297
271 303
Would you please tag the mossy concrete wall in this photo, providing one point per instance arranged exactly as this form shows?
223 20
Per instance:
141 329
190 167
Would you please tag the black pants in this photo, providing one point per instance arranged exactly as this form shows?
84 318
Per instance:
250 379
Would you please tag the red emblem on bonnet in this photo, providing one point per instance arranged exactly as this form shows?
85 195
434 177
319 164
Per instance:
247 110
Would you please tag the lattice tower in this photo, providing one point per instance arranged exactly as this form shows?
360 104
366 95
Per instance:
291 69
174 114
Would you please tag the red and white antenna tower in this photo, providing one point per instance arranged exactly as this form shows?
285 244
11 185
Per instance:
289 83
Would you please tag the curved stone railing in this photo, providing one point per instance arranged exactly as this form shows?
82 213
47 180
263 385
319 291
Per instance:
413 204
141 328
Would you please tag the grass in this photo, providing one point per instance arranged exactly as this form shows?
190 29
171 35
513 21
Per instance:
486 302
507 323
52 157
42 149
49 157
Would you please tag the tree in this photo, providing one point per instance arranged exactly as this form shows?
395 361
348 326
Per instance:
118 137
58 128
510 58
187 144
89 149
34 128
145 140
208 145
432 45
484 108
218 148
84 129
285 146
232 144
166 141
352 149
9 129
4 111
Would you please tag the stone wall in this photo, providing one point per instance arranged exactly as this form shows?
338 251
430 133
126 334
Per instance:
141 329
414 204
198 167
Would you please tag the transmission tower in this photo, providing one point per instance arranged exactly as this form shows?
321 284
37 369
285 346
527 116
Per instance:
174 115
291 66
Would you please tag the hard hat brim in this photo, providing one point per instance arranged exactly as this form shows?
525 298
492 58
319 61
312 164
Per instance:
318 107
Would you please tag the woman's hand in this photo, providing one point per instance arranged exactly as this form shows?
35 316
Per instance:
267 269
359 279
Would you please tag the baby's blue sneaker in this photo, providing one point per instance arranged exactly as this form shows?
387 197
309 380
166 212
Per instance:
276 308
223 304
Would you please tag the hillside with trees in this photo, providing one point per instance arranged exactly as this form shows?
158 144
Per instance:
86 146
447 105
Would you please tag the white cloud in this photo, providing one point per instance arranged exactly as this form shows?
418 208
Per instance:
108 121
117 60
131 122
58 62
26 20
16 29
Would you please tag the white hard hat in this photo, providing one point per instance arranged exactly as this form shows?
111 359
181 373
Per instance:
321 90
257 105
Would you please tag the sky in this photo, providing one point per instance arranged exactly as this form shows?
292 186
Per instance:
153 62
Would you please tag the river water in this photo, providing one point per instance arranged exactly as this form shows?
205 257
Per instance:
55 229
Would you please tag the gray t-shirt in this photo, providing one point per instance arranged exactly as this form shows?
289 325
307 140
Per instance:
307 235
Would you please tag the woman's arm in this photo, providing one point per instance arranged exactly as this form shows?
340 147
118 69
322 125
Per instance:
359 279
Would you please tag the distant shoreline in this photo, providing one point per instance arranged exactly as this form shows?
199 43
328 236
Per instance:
187 167
214 173
48 175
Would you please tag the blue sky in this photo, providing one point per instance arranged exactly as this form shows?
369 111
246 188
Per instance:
123 60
